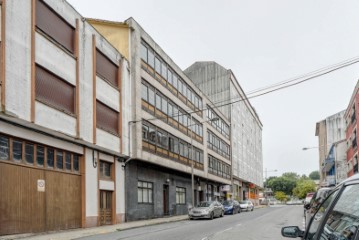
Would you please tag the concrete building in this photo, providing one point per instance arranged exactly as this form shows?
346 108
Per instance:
171 136
334 167
351 117
222 88
64 91
330 133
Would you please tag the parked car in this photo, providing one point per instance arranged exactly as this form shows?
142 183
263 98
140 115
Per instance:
308 198
246 205
231 207
318 197
207 209
336 218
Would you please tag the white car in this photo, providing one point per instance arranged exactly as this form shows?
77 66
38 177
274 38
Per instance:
246 205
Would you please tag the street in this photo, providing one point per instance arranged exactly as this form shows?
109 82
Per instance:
264 223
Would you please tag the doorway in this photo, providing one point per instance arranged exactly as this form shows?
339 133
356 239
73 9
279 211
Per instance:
105 207
165 200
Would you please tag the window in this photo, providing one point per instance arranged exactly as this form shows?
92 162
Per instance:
17 150
180 195
175 80
106 118
144 92
144 52
151 59
105 169
152 134
29 153
164 71
68 161
170 77
76 162
40 155
50 157
54 26
162 139
144 192
151 96
4 148
158 101
144 132
158 65
164 105
54 91
59 159
343 221
106 69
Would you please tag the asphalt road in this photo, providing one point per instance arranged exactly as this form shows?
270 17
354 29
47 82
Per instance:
264 223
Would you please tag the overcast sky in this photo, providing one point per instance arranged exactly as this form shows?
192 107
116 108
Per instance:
262 42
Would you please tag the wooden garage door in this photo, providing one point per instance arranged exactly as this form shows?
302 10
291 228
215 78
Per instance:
24 209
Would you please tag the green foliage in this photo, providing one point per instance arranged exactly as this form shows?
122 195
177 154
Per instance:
303 187
281 196
291 175
314 175
283 184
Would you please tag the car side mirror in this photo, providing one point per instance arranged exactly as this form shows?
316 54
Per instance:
307 205
292 232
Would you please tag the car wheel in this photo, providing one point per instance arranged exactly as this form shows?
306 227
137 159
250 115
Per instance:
233 211
212 216
247 209
252 209
239 210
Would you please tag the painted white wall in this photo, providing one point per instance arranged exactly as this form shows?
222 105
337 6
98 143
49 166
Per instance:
107 140
54 119
107 185
120 188
18 58
62 64
107 94
91 185
126 105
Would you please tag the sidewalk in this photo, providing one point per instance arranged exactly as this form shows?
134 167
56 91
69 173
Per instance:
85 232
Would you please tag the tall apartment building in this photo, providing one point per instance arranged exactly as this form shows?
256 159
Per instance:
351 119
171 136
222 88
331 134
64 91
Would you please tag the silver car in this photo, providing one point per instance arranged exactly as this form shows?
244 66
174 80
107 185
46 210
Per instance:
208 209
246 205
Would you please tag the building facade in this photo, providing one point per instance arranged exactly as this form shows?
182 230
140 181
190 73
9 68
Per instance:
351 119
223 89
64 92
331 134
172 138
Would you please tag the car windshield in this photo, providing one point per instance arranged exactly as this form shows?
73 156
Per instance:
204 204
243 202
230 203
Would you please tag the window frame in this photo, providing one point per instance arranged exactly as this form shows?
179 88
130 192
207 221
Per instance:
150 197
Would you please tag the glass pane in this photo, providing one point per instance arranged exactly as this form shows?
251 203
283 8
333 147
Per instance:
4 148
144 93
149 185
139 195
17 150
152 135
158 65
139 184
145 195
164 105
107 169
158 101
151 59
175 80
150 196
59 160
143 52
164 71
76 162
29 153
68 161
50 157
151 96
40 155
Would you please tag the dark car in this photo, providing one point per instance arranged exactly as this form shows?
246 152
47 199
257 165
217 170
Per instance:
336 218
231 207
311 207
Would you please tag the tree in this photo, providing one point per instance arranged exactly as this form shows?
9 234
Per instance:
281 196
291 175
314 175
282 184
303 187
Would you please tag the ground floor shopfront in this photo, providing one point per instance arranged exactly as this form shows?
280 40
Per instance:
154 191
49 183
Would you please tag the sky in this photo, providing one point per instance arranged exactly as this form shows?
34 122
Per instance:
263 42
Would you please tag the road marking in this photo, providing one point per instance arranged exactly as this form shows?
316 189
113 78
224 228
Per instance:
205 238
239 224
227 229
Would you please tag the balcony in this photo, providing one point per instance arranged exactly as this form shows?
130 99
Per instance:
354 143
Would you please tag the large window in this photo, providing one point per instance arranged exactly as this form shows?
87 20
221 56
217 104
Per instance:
23 152
218 145
105 170
106 69
106 118
54 91
145 192
220 124
219 168
180 195
49 22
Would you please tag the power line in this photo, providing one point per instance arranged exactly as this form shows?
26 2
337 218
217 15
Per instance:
319 73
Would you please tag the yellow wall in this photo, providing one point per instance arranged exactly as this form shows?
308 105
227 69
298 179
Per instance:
116 33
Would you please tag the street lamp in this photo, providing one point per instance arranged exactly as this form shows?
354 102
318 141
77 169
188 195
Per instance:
307 148
192 153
